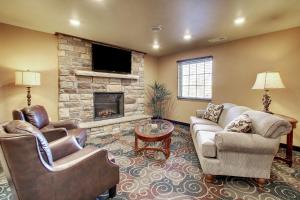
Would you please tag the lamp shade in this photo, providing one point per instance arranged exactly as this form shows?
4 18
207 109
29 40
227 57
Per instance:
27 78
268 80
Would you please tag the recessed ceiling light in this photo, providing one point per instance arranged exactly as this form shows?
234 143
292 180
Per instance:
155 45
187 36
239 21
74 22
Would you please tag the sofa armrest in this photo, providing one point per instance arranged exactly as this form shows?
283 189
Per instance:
200 113
246 143
54 134
63 147
68 124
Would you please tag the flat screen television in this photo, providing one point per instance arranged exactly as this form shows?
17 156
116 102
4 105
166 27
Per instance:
109 59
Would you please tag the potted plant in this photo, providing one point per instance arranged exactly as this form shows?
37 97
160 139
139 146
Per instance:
158 96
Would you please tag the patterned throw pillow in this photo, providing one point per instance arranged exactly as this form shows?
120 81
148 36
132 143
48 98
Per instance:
22 127
213 112
241 124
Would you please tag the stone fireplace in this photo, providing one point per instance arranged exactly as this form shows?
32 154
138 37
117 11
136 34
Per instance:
83 93
108 105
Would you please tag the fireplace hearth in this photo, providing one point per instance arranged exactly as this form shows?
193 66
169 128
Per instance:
108 105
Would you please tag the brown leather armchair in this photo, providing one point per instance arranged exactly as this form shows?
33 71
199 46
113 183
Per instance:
38 116
76 173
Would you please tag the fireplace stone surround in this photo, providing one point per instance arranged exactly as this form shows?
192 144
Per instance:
78 83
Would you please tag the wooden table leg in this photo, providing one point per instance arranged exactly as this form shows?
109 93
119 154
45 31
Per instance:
167 147
136 144
289 141
289 149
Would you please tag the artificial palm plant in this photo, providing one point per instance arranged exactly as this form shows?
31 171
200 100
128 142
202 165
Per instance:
158 96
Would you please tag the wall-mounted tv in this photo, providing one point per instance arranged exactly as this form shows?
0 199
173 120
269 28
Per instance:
110 59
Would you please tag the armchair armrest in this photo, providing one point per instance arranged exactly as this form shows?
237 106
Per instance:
63 147
89 166
200 112
246 143
68 124
54 134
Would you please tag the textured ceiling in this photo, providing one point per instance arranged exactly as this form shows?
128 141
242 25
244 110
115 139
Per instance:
127 23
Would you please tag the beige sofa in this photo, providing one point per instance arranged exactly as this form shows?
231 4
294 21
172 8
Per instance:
237 154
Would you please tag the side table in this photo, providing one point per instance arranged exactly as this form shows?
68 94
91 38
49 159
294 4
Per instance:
289 141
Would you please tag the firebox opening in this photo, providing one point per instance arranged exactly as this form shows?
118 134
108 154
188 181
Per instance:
108 105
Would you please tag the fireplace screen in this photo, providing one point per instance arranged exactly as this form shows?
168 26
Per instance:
108 105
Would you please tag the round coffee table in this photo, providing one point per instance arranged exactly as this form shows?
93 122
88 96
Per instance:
154 131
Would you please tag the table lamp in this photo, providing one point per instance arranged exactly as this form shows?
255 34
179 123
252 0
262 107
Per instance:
28 79
267 81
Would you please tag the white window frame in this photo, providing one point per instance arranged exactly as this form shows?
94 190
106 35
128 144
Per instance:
180 75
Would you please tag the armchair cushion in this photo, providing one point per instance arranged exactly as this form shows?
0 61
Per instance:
36 115
22 127
245 143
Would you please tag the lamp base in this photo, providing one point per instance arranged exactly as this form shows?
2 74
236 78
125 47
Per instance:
266 100
28 96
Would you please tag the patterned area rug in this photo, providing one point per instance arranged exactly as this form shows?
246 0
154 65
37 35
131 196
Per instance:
148 175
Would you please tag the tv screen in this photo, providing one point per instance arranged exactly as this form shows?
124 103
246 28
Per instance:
109 59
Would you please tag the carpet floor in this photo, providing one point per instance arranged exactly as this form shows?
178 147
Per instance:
147 175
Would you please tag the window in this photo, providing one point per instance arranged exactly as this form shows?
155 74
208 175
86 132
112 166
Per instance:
195 78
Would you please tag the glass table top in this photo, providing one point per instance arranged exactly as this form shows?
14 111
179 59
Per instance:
155 127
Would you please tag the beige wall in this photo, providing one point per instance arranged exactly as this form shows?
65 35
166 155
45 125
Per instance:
235 66
151 69
150 74
22 49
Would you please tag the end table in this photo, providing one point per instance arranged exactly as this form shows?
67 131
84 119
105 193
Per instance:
289 141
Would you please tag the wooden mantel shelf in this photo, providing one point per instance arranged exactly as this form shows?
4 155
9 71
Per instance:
105 75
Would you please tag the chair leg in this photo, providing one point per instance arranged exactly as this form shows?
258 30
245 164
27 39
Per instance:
261 182
209 178
112 192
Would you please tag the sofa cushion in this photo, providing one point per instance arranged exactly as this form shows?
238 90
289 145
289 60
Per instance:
205 127
231 113
241 124
213 112
22 127
206 142
268 125
196 120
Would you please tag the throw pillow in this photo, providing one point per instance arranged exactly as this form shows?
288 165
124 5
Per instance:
241 124
22 127
213 112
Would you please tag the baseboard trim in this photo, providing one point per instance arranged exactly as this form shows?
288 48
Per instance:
295 148
178 122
